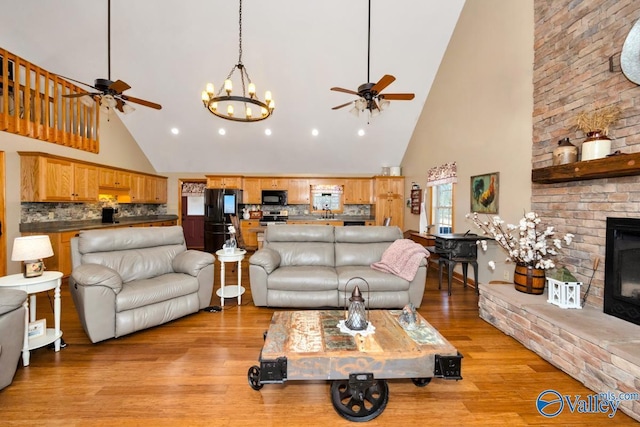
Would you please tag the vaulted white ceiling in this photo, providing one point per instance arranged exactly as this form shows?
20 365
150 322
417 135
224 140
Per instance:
167 50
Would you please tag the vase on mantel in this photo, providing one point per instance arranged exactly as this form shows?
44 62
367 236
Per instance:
596 146
529 280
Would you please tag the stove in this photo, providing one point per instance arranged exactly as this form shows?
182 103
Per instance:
274 217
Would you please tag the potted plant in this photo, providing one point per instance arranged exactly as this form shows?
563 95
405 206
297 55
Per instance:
529 245
595 125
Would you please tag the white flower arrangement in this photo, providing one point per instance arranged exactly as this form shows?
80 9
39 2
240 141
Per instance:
525 243
231 229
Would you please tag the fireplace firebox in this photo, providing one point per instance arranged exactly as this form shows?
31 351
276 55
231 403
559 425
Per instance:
622 269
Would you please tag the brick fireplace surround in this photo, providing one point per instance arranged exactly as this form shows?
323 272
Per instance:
573 41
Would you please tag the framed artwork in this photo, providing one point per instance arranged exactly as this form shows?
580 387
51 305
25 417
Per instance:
484 193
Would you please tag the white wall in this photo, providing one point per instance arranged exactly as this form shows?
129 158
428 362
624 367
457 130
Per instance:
479 114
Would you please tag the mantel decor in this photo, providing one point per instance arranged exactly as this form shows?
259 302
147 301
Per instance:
595 125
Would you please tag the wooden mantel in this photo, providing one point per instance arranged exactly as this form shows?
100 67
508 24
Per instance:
608 167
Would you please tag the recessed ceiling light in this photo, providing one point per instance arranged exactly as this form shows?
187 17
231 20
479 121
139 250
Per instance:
175 131
315 132
267 132
361 132
221 131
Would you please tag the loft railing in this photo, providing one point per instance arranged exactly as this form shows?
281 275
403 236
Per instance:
31 104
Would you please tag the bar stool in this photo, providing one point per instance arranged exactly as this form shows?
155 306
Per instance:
451 263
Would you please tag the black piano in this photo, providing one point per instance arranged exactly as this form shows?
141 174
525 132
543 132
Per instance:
453 248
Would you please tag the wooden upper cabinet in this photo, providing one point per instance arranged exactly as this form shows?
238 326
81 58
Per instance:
112 178
274 184
160 193
358 191
299 191
137 191
251 191
52 179
234 182
85 183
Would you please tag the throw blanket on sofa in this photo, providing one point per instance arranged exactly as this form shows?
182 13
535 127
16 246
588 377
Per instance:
402 258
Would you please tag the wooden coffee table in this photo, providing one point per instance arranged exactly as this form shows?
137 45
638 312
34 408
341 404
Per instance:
308 345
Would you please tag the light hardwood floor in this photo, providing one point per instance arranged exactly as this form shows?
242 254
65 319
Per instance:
193 371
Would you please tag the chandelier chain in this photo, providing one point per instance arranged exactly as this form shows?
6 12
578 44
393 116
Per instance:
240 34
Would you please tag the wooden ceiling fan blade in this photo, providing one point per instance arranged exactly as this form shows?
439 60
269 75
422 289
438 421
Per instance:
119 86
351 92
142 102
77 81
397 96
385 81
342 106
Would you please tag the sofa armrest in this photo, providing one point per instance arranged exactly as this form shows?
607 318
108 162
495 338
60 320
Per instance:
266 258
97 275
191 262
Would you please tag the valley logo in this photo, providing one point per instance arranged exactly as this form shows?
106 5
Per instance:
551 403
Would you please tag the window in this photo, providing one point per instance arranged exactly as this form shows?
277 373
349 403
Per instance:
442 207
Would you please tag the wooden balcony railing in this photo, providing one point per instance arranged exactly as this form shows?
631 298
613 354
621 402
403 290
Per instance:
31 104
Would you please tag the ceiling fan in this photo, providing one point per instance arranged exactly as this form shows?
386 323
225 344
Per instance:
109 93
369 94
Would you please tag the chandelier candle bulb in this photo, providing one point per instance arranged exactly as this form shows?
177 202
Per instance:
205 96
267 96
252 89
210 89
248 112
230 110
228 86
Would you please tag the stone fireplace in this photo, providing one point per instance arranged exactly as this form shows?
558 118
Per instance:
622 269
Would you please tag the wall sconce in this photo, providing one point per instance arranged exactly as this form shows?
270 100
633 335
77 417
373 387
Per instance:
30 250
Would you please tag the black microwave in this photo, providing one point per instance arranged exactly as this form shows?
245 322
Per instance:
274 197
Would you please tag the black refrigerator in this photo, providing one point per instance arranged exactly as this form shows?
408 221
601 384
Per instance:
219 205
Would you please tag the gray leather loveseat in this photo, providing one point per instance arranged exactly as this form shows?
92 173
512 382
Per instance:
128 279
308 266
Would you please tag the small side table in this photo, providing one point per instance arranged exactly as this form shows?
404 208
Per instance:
230 292
32 285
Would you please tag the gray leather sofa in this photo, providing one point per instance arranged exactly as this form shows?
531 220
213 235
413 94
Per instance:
128 279
12 315
308 266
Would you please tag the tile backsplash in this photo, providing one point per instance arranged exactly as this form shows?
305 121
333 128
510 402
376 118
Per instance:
43 212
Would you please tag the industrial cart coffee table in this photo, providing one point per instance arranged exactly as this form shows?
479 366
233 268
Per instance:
309 345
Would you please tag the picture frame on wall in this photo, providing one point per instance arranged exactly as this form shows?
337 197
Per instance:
485 191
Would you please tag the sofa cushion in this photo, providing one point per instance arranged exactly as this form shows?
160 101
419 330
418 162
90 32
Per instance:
320 254
370 234
363 245
298 233
140 293
137 264
378 281
303 278
115 239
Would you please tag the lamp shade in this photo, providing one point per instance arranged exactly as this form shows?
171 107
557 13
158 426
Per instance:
29 248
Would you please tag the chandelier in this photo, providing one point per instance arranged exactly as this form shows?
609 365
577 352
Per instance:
238 107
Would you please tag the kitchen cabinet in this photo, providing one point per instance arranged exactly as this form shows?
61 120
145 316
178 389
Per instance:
358 191
389 199
299 190
154 190
114 179
250 237
234 182
137 191
274 184
251 191
54 179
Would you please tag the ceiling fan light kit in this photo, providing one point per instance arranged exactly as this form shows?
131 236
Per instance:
369 94
238 107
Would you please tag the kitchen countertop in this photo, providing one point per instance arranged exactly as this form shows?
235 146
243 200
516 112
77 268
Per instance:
336 218
62 226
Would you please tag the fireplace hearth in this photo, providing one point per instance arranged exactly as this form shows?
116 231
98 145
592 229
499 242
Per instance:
622 269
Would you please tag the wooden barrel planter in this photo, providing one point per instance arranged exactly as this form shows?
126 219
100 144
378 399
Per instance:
529 280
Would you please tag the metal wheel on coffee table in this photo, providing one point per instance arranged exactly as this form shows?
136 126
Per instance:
359 400
254 378
421 382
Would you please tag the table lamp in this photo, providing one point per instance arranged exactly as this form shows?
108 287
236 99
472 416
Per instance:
30 250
